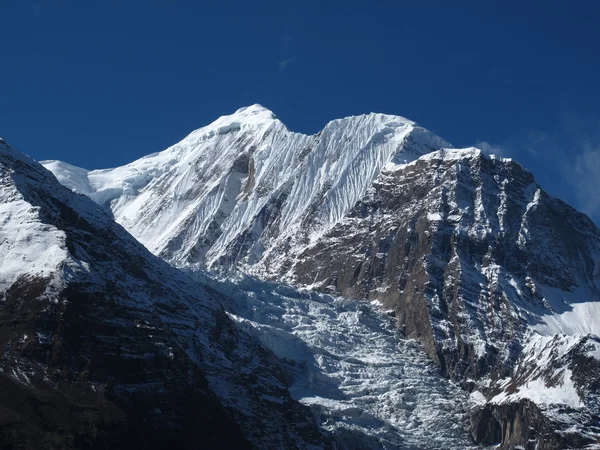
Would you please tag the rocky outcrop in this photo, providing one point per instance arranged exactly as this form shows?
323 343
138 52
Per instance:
550 400
524 424
518 424
459 245
73 380
469 252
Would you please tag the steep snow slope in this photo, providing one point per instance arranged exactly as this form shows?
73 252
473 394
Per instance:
244 185
370 387
105 345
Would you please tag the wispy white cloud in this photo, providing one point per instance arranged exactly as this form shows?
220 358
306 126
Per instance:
286 56
37 10
286 42
492 149
584 175
565 159
537 143
286 62
573 149
583 170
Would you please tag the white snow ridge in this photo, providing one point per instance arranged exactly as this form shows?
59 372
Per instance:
194 201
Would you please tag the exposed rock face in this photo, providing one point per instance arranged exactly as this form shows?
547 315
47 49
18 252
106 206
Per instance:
550 401
516 424
104 345
468 252
523 424
471 254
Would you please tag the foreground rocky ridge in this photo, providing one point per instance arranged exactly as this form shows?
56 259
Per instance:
105 345
477 261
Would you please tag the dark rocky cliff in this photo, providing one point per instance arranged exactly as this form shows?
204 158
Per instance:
462 247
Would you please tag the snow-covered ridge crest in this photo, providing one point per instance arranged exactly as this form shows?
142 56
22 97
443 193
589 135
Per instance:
29 245
447 155
254 116
18 221
238 189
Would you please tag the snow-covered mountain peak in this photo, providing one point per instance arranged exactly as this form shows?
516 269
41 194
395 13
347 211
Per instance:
372 117
257 114
253 110
199 199
250 117
451 154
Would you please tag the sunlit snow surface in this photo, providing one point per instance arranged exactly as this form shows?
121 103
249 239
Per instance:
366 383
197 199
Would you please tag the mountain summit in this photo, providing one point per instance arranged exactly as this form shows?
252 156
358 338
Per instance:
244 186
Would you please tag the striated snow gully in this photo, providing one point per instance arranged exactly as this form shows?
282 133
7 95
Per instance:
497 281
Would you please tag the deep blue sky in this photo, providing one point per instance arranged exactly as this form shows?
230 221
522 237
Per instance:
100 83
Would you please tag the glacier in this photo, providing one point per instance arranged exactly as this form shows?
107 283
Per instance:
364 381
